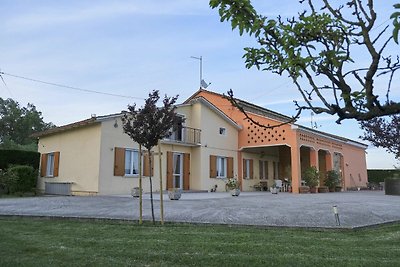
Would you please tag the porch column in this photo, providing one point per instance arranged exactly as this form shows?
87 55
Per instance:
328 160
296 168
240 169
314 158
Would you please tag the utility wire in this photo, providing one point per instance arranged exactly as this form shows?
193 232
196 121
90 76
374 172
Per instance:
67 86
8 89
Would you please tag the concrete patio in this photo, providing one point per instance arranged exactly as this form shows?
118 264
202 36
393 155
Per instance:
356 209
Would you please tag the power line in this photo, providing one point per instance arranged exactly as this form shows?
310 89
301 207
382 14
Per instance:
67 86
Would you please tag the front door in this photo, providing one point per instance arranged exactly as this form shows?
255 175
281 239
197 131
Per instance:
177 174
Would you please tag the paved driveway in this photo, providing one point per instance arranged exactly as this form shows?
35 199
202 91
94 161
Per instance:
250 208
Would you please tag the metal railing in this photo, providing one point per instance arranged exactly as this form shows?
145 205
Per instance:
186 135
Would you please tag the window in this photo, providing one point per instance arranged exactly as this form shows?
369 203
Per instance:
222 131
221 167
50 165
126 162
247 168
275 165
263 170
131 162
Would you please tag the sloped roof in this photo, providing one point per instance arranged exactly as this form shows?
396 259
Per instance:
78 124
250 107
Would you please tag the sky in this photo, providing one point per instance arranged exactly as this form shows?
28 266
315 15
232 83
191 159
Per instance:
129 48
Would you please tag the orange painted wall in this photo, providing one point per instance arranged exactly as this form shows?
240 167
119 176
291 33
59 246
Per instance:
251 135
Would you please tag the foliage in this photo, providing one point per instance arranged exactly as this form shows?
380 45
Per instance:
396 23
232 183
316 50
377 176
19 178
149 124
311 176
383 132
18 123
69 242
19 157
332 179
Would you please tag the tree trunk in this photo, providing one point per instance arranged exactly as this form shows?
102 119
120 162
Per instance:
151 188
140 186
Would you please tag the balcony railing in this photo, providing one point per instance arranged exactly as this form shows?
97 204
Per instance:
185 135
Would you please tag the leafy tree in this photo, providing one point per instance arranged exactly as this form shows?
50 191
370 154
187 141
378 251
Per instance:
149 124
18 123
384 132
316 48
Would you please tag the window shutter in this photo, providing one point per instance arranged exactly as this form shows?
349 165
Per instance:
146 164
244 169
230 167
251 169
169 169
56 163
213 166
186 171
43 165
119 161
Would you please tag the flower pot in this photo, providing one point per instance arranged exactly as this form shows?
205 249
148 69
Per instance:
323 189
135 192
313 189
235 192
174 194
304 189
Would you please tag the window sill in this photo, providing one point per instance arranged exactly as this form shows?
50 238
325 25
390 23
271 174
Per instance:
131 176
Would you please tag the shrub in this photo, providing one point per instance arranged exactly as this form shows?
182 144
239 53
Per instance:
18 157
311 176
20 178
332 179
377 176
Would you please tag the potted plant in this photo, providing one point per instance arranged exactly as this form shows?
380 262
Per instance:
233 186
311 177
332 180
174 193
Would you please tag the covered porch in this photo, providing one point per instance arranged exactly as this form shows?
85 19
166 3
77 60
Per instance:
262 167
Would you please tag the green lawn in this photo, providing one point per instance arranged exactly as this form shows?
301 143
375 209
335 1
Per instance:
37 242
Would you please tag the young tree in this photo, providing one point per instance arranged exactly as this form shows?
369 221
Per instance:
149 124
18 123
317 49
383 132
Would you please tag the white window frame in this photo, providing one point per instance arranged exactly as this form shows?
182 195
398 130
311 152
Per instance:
222 163
131 163
247 164
50 165
222 131
264 168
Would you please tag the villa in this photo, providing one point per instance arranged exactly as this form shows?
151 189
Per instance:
214 143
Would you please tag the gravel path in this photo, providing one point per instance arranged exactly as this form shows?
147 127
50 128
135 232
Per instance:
356 209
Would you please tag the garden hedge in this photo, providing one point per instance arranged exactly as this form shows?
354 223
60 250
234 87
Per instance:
377 176
19 157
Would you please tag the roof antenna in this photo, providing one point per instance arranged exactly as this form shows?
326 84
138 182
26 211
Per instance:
201 68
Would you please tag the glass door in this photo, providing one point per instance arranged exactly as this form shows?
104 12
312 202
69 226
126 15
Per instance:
177 170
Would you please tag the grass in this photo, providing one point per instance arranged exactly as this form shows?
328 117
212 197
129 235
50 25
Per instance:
44 242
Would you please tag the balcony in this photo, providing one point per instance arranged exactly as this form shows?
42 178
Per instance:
185 136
